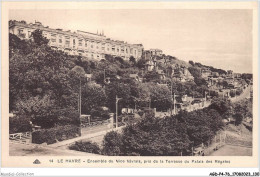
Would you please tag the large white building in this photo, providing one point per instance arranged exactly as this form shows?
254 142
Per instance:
90 45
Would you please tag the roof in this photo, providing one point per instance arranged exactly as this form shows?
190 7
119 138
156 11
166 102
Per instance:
133 75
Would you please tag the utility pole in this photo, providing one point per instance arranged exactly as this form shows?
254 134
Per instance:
117 99
171 97
79 97
174 108
104 74
104 78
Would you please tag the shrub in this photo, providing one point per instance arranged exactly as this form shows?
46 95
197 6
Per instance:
99 112
86 146
239 91
55 134
19 124
112 144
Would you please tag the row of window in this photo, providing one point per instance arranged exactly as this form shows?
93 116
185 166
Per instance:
67 44
80 42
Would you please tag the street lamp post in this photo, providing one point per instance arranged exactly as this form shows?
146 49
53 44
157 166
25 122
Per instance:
79 98
117 99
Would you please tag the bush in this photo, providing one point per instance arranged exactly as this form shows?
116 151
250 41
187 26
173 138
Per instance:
86 146
55 134
239 91
112 144
100 113
19 124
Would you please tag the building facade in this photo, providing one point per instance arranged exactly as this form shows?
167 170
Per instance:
90 45
151 53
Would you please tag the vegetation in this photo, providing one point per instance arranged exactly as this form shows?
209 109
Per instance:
171 136
53 135
85 146
41 82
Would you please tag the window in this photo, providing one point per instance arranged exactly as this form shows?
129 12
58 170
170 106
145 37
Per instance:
126 50
131 51
29 33
103 48
113 48
117 49
80 42
60 40
67 43
53 40
20 31
86 43
74 41
91 46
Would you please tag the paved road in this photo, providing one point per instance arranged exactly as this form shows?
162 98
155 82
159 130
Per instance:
245 94
89 136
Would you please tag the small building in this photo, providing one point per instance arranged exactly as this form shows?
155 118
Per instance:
136 77
127 111
88 76
85 118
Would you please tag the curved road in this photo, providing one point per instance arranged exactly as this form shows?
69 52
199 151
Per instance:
245 94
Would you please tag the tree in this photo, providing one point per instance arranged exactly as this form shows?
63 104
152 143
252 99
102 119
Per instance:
238 118
141 63
41 110
198 126
112 144
38 37
191 62
160 96
132 60
41 83
222 106
93 96
122 90
152 76
99 113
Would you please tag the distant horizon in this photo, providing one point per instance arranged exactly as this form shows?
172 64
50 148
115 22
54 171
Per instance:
218 38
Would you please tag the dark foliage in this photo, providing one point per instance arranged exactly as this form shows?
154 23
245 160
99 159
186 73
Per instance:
55 134
19 124
86 146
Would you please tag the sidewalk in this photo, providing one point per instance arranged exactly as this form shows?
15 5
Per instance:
88 136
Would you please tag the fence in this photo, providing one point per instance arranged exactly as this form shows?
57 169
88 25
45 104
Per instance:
96 123
23 137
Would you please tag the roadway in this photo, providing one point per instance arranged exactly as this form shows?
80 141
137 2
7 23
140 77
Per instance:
245 94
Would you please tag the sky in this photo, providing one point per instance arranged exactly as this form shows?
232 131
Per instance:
219 38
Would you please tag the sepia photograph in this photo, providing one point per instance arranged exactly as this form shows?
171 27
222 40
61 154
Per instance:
93 82
101 83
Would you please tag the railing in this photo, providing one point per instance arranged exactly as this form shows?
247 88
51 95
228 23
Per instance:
19 136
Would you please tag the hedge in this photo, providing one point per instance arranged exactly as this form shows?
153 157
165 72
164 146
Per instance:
55 134
86 146
19 124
